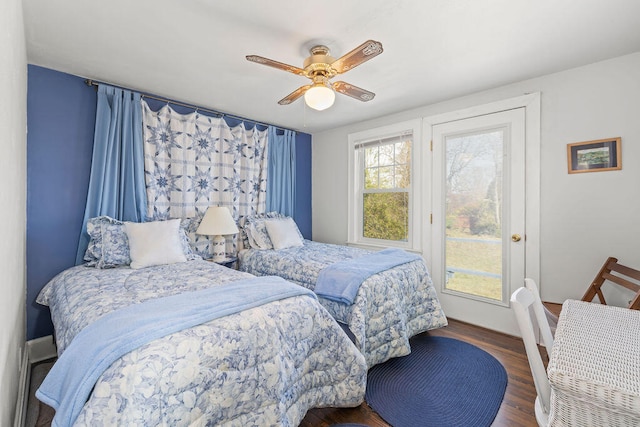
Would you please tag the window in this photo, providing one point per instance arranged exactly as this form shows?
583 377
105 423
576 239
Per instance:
382 173
385 193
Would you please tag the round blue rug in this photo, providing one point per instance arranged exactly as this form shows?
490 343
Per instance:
443 382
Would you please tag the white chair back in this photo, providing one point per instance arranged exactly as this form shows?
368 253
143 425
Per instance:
538 308
525 302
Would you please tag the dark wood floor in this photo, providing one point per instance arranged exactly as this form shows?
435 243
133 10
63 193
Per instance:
517 406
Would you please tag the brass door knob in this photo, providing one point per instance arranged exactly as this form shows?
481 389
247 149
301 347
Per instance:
516 237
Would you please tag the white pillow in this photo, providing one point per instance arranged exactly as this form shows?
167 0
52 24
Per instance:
283 233
154 243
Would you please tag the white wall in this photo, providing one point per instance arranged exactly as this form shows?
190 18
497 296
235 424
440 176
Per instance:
13 172
584 217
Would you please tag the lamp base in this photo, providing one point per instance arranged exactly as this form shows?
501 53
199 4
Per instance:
218 248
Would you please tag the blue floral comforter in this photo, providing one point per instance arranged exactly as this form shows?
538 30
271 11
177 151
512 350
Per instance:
264 366
390 307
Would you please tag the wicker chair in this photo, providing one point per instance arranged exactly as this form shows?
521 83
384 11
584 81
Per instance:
525 300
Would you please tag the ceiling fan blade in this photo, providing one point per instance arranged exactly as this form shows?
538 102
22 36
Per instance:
357 56
275 64
353 91
294 95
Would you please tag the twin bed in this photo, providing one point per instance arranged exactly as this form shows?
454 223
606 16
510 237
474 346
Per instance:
389 305
268 351
389 308
266 365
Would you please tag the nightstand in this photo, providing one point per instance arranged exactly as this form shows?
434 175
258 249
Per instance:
229 262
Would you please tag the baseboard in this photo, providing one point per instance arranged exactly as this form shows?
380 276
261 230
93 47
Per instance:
23 390
35 351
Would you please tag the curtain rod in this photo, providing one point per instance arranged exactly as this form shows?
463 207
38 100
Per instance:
91 82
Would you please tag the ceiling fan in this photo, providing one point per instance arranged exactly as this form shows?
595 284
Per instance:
320 67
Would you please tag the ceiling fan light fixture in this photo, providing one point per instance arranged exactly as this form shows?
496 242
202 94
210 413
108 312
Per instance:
319 97
321 67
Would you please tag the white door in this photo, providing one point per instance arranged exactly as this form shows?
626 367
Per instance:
478 223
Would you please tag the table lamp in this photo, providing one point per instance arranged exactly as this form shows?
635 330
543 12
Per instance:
217 222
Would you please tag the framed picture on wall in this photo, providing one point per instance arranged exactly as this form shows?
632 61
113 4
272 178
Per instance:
594 156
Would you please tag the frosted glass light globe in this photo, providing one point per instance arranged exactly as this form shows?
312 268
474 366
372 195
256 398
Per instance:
319 97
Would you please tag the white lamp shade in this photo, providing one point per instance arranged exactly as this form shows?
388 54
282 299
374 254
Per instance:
319 97
217 221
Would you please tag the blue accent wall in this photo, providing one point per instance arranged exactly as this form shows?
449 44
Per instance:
61 111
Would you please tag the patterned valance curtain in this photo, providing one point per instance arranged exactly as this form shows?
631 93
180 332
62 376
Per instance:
116 181
193 161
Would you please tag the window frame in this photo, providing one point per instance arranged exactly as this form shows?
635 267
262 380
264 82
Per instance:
356 185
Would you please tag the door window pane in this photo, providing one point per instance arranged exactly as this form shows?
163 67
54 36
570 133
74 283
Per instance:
473 244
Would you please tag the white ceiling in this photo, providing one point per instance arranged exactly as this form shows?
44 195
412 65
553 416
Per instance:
194 50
